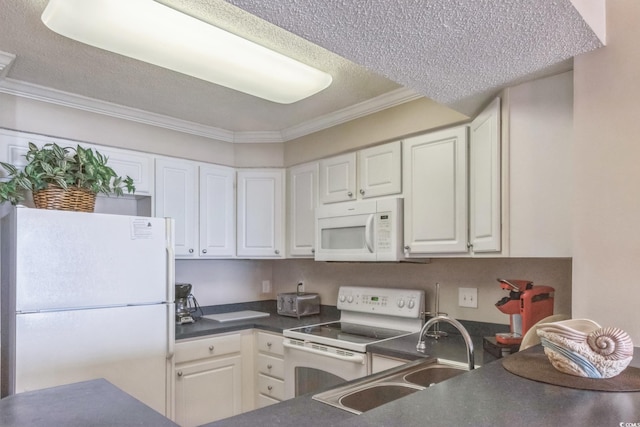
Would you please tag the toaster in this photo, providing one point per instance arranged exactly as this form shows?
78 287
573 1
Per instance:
298 304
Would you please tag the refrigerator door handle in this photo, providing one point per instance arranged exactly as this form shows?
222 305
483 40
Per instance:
171 321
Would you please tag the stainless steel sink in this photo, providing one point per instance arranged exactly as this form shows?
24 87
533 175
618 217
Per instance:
376 390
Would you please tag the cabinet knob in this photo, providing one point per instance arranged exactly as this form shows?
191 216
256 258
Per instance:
190 251
469 245
269 344
269 387
269 366
362 191
407 248
179 373
313 251
204 251
350 194
211 348
277 252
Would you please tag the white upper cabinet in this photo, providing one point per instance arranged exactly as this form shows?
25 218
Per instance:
435 188
302 189
371 172
177 197
338 178
484 181
217 211
201 200
380 170
260 224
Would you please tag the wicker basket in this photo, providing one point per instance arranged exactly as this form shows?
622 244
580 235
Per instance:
72 199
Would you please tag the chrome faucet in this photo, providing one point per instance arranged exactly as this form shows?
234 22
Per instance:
422 346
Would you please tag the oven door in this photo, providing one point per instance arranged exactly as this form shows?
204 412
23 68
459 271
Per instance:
310 367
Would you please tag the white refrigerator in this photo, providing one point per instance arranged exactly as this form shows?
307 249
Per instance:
85 296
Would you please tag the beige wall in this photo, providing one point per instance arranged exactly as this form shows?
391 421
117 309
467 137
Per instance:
410 118
606 234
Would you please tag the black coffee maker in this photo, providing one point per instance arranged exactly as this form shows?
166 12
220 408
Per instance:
187 306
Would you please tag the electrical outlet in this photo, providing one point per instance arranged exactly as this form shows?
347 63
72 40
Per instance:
266 287
468 297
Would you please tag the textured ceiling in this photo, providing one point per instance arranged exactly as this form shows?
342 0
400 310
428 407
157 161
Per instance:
455 52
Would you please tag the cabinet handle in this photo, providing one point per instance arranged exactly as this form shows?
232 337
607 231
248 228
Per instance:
362 191
277 252
313 251
204 251
190 251
269 344
350 194
469 245
211 348
269 387
269 366
179 373
407 248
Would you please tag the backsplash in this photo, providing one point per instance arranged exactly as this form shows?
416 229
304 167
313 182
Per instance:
232 281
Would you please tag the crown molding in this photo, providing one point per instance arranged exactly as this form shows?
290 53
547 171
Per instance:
379 103
66 99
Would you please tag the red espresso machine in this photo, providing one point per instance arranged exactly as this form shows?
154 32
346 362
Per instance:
526 305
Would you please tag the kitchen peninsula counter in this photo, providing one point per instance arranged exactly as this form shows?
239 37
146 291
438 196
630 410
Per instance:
489 396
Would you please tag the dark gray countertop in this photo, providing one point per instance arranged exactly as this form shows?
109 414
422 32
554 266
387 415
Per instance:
489 396
89 403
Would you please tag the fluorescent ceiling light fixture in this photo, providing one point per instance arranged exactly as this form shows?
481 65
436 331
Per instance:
154 33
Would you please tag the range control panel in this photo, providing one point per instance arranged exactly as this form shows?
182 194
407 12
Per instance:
384 301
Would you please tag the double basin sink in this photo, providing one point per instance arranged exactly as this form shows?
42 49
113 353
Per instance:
375 390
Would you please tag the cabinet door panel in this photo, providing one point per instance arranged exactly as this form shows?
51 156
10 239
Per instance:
260 210
484 180
208 391
435 177
338 178
380 170
217 212
176 198
303 199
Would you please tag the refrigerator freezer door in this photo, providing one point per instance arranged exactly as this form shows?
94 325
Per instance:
75 259
125 345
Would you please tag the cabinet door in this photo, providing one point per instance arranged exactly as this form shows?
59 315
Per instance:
484 180
260 224
338 178
380 170
176 198
208 391
435 184
138 166
303 199
217 212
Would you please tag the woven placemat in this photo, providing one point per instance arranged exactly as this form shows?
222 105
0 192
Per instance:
535 365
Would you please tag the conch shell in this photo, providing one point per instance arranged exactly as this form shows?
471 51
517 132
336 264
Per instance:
583 348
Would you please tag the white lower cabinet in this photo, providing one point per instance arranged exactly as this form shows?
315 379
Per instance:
208 379
269 368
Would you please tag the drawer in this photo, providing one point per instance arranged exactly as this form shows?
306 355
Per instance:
270 365
207 347
266 401
271 387
270 343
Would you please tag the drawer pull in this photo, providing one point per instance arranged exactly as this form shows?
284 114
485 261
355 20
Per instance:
179 373
211 348
269 344
269 366
269 387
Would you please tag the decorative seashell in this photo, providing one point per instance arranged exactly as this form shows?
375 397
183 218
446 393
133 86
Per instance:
583 348
613 343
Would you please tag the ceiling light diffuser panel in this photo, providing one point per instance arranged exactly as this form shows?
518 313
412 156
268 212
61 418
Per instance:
154 33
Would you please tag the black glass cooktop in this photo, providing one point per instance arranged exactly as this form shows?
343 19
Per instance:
350 332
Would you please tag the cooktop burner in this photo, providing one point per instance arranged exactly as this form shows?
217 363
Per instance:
350 332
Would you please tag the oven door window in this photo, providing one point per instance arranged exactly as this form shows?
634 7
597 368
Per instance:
308 380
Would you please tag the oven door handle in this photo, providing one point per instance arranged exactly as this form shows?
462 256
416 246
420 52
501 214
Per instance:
355 358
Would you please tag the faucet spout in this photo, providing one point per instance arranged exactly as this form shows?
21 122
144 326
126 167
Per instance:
421 346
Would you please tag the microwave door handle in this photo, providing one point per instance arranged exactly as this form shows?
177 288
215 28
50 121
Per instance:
368 233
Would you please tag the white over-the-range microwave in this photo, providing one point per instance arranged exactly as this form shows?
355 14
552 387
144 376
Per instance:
366 230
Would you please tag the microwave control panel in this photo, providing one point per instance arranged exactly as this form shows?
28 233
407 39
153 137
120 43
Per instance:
384 227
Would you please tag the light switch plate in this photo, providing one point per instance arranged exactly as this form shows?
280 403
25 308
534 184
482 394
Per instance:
266 286
468 297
